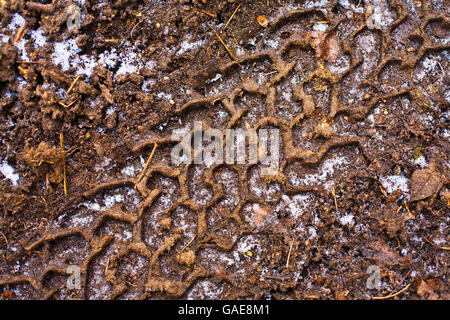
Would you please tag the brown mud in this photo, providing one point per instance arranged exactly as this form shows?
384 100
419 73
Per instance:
359 92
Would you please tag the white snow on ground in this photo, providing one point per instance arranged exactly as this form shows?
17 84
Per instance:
63 51
346 219
381 17
187 45
428 67
296 204
16 21
108 200
38 37
319 3
8 172
347 5
4 38
326 170
320 27
128 171
421 162
205 289
395 182
66 53
246 244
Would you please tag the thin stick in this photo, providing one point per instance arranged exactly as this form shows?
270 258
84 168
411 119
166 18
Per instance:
396 287
20 32
107 265
237 8
4 237
224 44
289 254
73 83
269 73
61 141
393 295
46 8
30 62
132 30
407 208
131 284
188 244
146 164
208 13
334 196
68 104
435 245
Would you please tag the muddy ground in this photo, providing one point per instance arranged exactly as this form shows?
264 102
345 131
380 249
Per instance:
358 89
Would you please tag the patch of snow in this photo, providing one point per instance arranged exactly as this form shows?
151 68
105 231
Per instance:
205 289
4 38
103 165
428 66
312 232
395 182
16 21
320 27
421 161
67 54
38 37
164 95
296 204
347 5
314 4
326 170
346 219
8 172
187 45
63 51
128 171
110 111
381 17
108 200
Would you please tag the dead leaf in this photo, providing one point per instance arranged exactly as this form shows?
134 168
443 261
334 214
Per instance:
8 295
386 257
326 45
259 214
445 196
425 182
262 20
427 287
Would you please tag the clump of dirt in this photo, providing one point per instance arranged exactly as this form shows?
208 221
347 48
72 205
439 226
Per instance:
187 258
357 90
8 54
45 162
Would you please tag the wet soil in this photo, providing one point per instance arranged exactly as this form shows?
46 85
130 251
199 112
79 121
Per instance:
358 89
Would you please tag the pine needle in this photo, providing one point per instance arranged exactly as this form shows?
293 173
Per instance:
393 295
225 45
61 141
147 163
232 16
73 83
